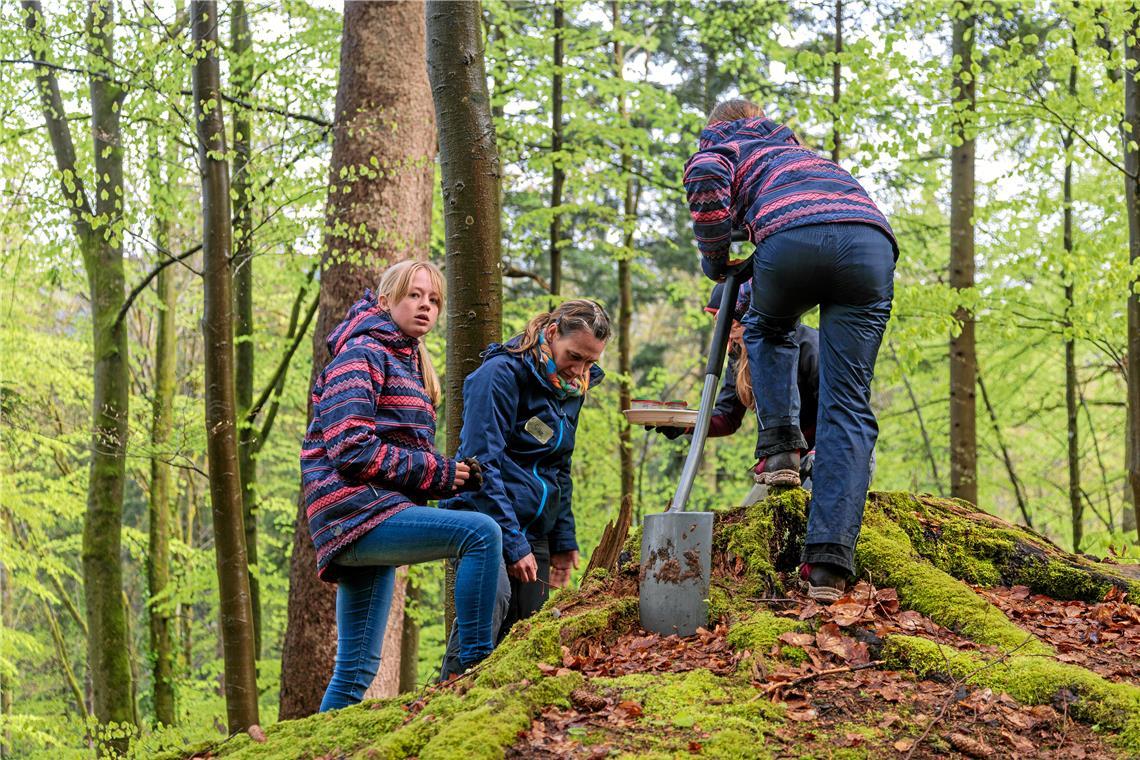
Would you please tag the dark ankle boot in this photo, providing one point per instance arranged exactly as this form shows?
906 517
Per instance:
782 469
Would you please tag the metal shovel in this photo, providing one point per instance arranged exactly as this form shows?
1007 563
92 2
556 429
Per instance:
676 546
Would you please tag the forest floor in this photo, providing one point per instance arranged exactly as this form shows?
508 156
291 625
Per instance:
939 652
839 698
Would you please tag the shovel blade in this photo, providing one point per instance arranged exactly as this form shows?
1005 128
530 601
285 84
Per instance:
676 565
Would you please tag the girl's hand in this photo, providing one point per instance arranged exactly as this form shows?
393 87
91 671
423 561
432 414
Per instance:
462 472
561 563
525 570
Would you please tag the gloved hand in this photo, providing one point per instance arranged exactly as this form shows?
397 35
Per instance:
475 478
714 270
669 431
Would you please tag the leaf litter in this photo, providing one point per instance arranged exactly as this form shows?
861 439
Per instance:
841 695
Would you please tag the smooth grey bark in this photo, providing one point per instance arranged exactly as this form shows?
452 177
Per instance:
963 351
237 639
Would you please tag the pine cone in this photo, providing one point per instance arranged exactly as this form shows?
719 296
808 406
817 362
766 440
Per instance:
586 700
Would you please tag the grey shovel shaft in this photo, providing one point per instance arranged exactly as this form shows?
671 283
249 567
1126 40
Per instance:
676 564
712 383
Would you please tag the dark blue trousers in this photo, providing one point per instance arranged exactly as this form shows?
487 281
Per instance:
848 271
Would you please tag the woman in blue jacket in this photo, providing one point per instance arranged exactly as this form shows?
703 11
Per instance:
520 414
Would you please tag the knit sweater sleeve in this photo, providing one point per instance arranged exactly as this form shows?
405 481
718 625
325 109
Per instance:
347 405
708 184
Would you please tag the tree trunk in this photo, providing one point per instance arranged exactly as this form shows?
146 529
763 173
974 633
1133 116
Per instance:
242 76
558 175
836 81
469 162
383 110
963 355
410 638
158 554
239 654
1132 200
625 285
108 664
1076 504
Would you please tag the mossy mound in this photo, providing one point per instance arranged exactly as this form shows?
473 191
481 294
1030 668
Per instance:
927 549
958 538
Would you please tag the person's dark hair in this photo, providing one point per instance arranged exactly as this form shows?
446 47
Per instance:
731 110
571 317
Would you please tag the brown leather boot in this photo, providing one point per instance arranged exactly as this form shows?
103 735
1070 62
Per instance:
782 469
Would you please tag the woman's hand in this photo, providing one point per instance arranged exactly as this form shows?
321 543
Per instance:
525 570
462 472
561 563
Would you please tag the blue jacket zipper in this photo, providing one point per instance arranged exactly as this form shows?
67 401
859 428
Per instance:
534 470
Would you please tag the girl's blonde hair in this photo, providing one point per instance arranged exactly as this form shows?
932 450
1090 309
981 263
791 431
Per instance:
731 110
744 380
571 317
394 286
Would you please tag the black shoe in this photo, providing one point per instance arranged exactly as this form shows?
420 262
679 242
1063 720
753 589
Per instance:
825 582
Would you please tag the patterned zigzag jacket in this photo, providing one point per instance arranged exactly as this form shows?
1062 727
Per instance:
370 449
753 173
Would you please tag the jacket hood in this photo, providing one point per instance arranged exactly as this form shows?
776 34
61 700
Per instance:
367 318
761 126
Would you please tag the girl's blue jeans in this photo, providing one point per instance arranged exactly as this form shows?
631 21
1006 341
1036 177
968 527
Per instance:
848 270
367 578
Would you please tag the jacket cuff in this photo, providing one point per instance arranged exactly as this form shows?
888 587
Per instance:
445 473
515 547
560 544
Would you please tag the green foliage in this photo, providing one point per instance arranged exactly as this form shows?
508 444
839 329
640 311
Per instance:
895 124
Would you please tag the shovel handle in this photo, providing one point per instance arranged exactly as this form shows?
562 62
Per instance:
717 349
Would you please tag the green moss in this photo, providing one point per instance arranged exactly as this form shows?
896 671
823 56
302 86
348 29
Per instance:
493 725
632 545
681 703
340 731
762 631
988 552
767 536
1030 680
540 639
885 554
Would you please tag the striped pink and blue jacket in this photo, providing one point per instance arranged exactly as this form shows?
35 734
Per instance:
753 173
370 450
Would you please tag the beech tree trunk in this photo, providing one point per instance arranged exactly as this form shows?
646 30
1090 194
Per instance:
1076 504
625 284
1132 201
242 76
557 173
469 161
107 651
158 551
238 641
963 354
376 219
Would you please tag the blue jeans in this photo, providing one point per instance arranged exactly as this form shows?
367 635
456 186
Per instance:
364 590
848 270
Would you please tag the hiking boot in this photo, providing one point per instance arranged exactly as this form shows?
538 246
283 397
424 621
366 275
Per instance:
825 583
782 469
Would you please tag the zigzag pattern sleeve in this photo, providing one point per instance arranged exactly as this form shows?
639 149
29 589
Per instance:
708 184
347 406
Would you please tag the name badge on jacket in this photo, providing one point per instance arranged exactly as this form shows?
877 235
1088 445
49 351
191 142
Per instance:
539 429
